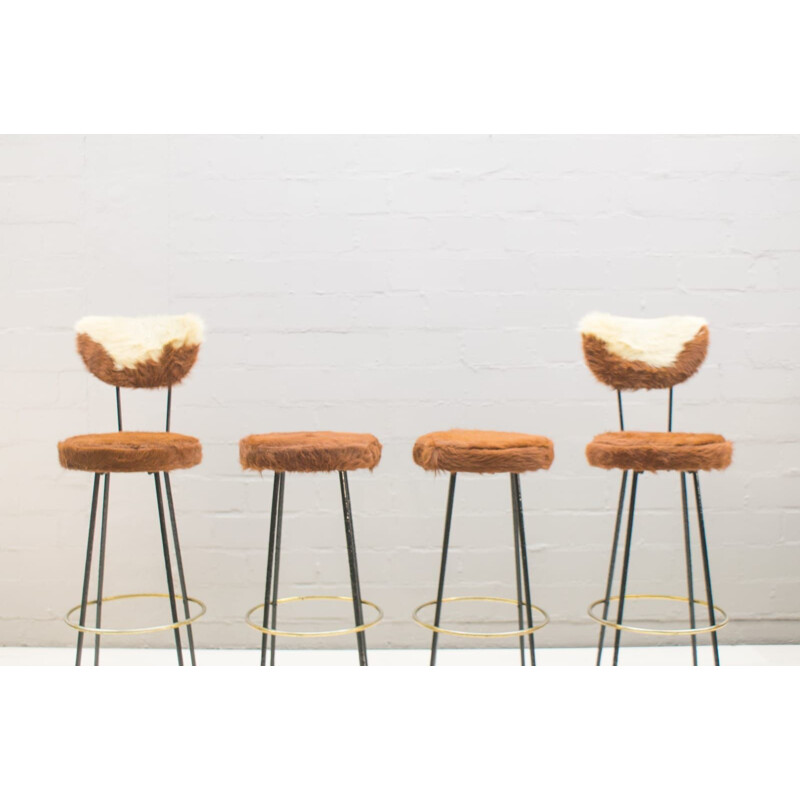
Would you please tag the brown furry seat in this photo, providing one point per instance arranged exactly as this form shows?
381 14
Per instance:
130 451
309 451
651 452
482 451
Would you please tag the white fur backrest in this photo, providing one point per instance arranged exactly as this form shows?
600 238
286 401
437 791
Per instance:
135 340
657 342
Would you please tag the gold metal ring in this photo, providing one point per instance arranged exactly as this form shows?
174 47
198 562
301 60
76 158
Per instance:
659 631
154 629
474 634
305 634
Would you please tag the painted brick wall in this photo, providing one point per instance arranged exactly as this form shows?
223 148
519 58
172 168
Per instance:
399 285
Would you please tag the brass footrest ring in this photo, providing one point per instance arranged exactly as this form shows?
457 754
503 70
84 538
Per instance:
309 634
477 634
659 631
122 631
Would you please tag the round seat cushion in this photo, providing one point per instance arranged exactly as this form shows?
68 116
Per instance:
130 451
652 452
309 451
482 451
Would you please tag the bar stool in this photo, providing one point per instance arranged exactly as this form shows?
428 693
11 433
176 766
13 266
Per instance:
457 451
136 353
628 354
315 451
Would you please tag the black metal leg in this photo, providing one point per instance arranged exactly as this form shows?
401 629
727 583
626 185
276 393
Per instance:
276 569
168 565
87 570
612 564
101 568
273 520
443 566
625 564
351 557
706 570
523 547
179 563
688 549
517 557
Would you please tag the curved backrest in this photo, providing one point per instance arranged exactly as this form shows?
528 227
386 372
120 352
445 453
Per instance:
140 352
629 353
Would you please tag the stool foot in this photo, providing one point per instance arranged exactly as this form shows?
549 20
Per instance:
451 492
358 612
706 569
688 551
270 591
625 564
522 550
168 566
101 566
87 571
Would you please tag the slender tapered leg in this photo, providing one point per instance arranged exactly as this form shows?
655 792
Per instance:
523 547
168 566
358 610
451 492
179 564
87 571
688 549
517 558
706 570
612 564
101 568
625 564
276 569
273 521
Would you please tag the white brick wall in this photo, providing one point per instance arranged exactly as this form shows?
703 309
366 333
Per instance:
399 285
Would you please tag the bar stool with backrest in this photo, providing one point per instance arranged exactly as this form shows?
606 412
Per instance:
485 452
309 451
629 354
136 353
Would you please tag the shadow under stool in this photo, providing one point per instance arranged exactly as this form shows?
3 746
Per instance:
135 352
314 451
457 451
629 354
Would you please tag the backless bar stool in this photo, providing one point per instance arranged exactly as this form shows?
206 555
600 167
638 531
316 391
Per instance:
457 451
136 353
315 451
629 354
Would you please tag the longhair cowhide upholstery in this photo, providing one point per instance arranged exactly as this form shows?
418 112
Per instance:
309 451
130 451
140 352
482 451
627 353
652 452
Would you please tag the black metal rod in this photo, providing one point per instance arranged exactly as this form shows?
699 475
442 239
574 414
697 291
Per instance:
451 492
669 420
625 564
179 563
273 519
358 611
169 407
619 408
101 569
706 570
87 570
688 550
517 557
612 564
276 569
523 547
119 411
167 564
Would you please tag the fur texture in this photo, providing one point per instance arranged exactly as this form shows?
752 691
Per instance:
652 452
655 342
482 451
313 451
140 352
130 451
624 374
